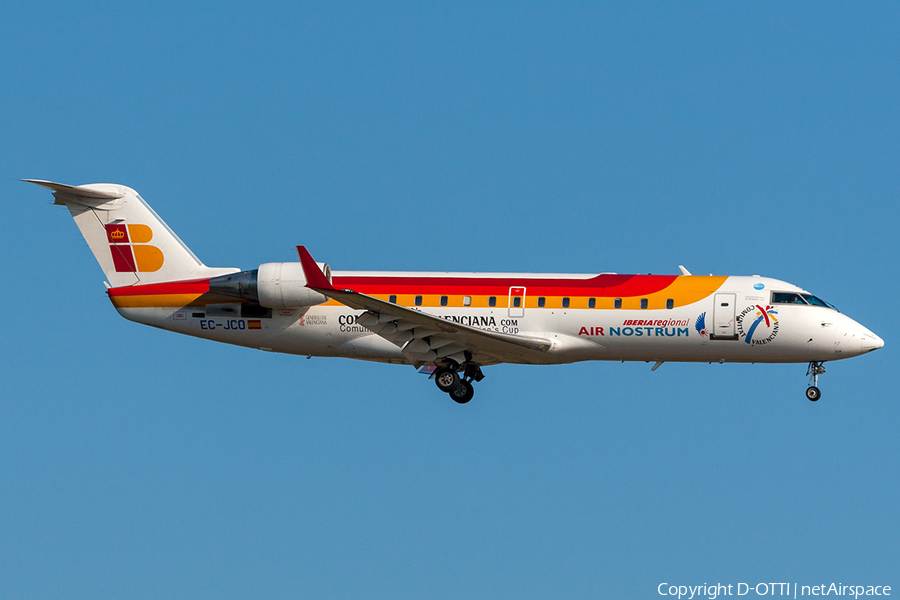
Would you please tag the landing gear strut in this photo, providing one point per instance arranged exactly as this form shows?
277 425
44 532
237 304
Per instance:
815 369
459 388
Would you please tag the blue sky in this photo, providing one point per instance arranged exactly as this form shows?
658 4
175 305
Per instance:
634 137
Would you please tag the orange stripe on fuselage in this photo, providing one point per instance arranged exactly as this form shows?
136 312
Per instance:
157 300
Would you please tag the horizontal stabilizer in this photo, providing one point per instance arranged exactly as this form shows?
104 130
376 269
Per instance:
79 191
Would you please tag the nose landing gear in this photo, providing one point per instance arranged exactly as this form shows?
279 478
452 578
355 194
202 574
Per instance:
814 370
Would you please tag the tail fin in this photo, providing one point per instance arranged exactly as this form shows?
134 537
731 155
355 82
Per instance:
131 243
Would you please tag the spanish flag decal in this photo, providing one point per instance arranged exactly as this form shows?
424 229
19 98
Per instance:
254 324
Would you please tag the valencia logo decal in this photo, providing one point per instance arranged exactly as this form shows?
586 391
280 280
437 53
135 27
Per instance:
757 325
130 250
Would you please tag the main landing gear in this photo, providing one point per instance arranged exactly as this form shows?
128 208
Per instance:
815 369
459 388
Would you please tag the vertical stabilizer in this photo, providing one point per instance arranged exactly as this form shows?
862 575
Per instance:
129 240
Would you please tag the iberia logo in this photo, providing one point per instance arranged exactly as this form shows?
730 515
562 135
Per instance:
130 251
758 325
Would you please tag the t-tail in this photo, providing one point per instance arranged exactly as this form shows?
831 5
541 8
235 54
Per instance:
129 240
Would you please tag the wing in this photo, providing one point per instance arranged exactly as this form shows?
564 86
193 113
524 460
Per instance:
424 338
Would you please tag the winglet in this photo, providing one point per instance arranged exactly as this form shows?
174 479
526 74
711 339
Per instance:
315 278
683 270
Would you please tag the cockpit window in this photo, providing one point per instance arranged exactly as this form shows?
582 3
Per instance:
795 298
816 301
787 298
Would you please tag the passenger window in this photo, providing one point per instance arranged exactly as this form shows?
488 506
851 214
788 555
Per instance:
644 303
541 302
467 300
517 301
592 303
492 301
617 303
565 303
392 299
443 300
670 303
418 300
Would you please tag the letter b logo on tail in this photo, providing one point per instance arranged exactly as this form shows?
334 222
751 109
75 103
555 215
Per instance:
130 251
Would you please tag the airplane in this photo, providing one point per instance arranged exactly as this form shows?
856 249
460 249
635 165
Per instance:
451 325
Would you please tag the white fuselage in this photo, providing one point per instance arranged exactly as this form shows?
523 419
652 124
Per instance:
725 326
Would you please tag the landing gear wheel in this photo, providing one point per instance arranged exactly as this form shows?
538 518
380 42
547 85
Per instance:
813 393
446 379
463 392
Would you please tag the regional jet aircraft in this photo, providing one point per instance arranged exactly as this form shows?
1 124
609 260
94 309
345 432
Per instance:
451 325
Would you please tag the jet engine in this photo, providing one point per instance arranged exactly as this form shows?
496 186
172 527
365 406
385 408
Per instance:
272 285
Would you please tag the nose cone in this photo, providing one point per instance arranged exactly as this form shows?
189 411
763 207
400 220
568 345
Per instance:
870 341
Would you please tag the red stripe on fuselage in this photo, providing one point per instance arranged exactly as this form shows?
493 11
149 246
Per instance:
193 286
604 286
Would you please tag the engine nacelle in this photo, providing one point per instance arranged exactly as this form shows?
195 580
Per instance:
272 285
283 285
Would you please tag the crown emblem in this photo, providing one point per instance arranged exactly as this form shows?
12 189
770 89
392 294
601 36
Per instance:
118 234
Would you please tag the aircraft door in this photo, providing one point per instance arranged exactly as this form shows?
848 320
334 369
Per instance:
516 302
723 317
